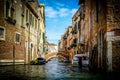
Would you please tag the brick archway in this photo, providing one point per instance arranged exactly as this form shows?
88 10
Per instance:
55 54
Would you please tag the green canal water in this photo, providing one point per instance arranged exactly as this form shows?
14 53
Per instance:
52 70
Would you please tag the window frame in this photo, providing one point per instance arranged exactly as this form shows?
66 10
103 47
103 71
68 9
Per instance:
30 19
3 33
22 20
27 15
7 8
10 12
17 42
35 25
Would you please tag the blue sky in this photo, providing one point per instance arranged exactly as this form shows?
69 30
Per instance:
58 15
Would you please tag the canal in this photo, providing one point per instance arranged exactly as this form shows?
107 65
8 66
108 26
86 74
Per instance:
52 70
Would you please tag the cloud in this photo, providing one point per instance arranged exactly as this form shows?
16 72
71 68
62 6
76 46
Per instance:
52 36
58 16
56 13
73 11
64 12
54 33
50 12
59 4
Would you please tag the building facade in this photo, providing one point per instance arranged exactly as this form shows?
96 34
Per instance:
96 32
42 29
69 43
19 24
12 35
101 19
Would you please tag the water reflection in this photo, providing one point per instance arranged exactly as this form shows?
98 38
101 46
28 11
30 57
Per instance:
53 70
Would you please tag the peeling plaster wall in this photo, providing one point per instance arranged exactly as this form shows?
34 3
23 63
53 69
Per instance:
113 37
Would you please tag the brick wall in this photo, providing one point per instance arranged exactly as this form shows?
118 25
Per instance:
97 29
8 48
113 24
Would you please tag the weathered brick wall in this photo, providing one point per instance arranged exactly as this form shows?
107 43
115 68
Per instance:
116 55
87 25
113 24
8 47
113 14
93 36
101 23
102 17
98 26
1 12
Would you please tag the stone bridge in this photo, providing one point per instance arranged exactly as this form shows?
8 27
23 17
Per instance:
56 54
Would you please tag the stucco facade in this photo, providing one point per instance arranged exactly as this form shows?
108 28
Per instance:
42 30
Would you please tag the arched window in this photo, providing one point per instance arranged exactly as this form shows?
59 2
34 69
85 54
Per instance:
10 11
7 8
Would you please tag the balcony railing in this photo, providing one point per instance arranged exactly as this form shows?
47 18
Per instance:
11 20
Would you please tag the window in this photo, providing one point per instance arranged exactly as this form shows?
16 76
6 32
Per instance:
17 38
9 9
43 37
35 23
22 20
75 40
78 24
26 15
2 33
30 19
10 12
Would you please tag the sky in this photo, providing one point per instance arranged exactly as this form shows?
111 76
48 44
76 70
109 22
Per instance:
58 14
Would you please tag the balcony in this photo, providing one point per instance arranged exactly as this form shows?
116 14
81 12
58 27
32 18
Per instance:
74 32
11 20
